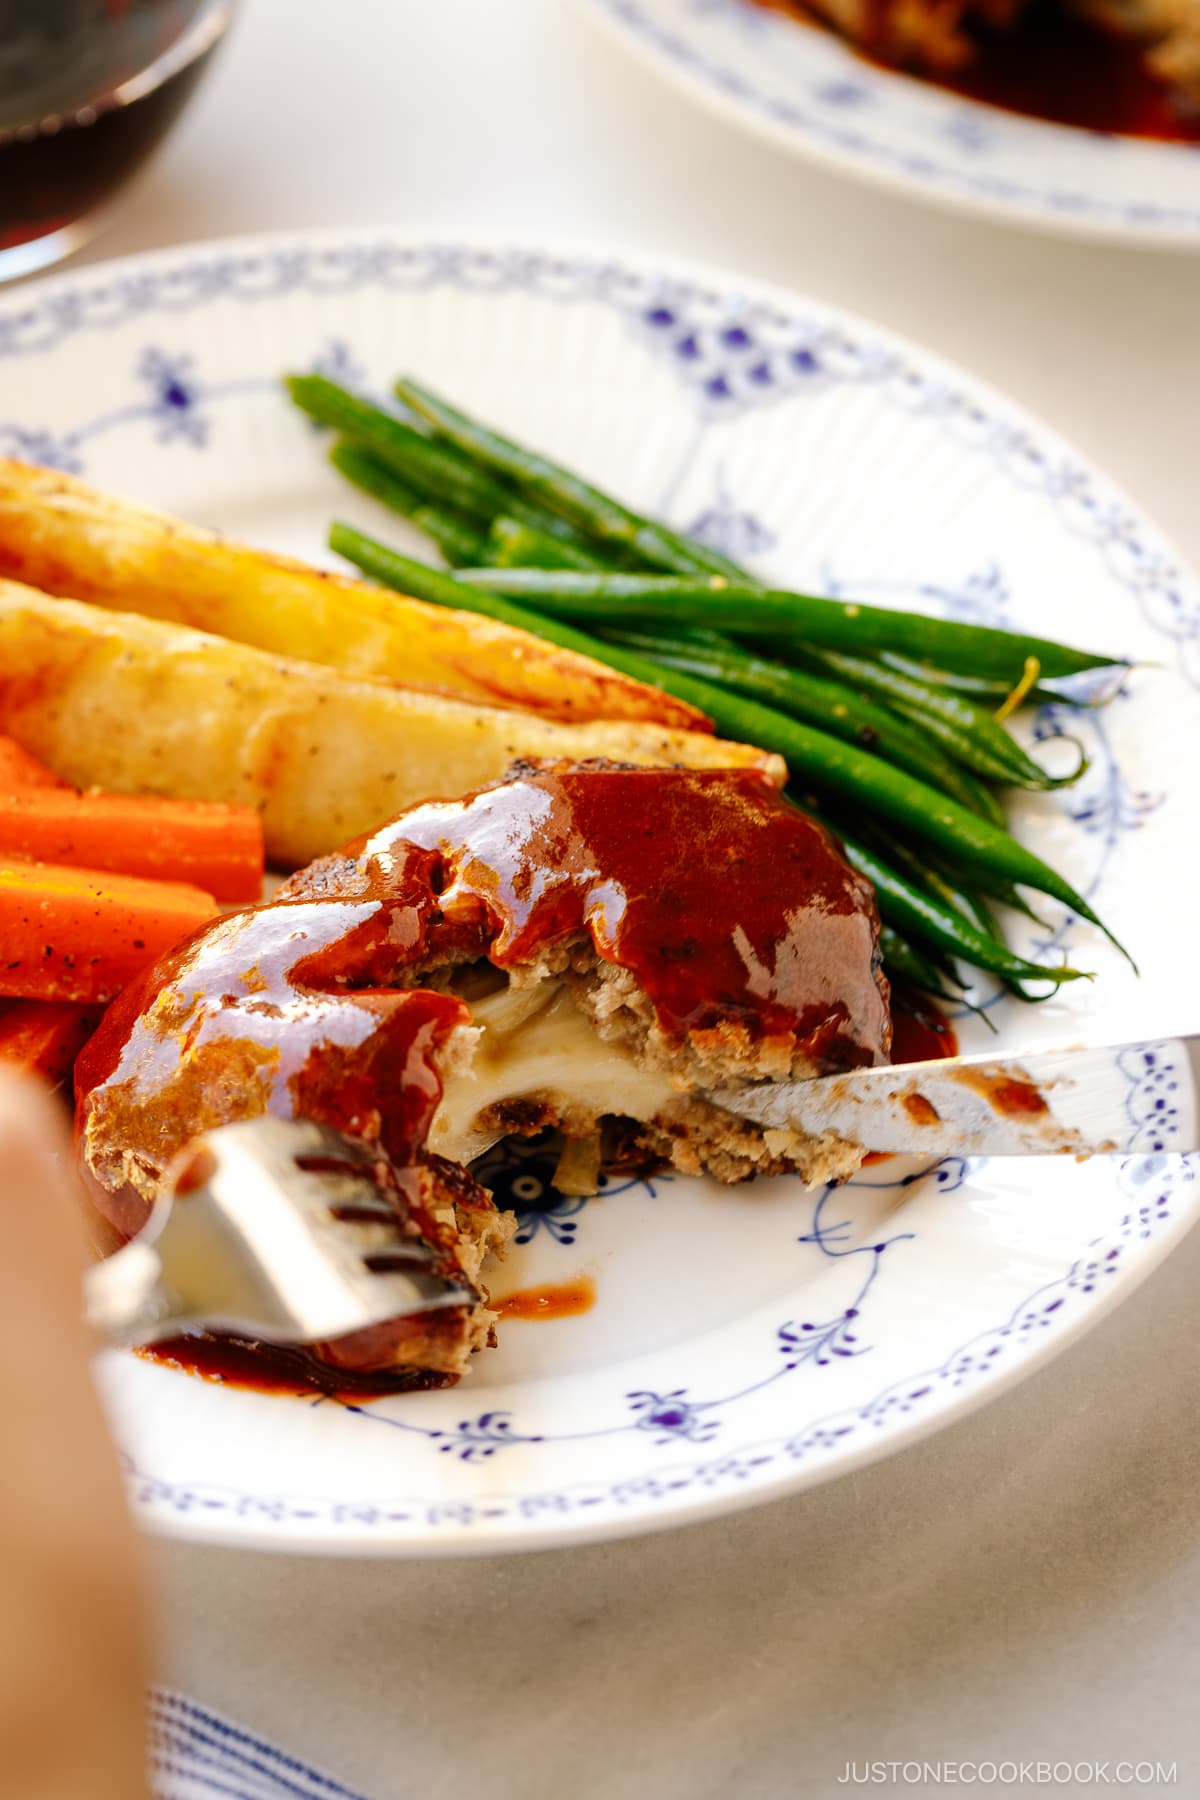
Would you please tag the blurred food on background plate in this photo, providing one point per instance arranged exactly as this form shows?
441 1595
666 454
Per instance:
1109 65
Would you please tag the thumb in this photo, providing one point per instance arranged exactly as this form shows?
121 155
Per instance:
72 1649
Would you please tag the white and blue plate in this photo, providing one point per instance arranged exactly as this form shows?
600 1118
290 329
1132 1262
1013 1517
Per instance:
804 90
744 1342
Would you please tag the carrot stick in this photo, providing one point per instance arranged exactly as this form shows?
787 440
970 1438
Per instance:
209 845
20 769
82 934
43 1037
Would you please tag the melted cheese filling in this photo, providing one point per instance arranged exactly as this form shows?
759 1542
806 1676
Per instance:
535 1044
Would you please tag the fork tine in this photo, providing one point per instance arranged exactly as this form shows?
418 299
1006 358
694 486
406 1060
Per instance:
291 1238
366 1211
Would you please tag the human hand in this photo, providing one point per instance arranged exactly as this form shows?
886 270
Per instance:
73 1660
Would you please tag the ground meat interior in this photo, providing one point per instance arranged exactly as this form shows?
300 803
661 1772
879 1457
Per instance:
613 952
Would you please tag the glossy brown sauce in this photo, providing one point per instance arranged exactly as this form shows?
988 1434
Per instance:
1005 1094
654 865
561 1300
269 1368
293 1006
1049 65
920 1033
299 1008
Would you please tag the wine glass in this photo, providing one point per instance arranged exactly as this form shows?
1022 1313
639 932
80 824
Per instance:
88 88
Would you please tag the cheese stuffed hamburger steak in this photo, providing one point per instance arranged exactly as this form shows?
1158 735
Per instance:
612 952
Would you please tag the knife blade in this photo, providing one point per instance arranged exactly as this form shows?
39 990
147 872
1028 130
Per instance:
1116 1100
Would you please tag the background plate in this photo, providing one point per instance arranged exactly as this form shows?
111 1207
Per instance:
744 1342
806 91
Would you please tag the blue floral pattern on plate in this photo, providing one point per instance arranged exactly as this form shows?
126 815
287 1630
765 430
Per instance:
733 355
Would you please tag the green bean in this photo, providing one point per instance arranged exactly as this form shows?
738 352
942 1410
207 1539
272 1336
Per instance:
792 618
695 637
839 767
924 873
1094 687
986 884
417 579
433 468
585 506
974 843
962 895
917 915
980 913
903 962
929 971
828 704
453 533
969 892
524 546
331 404
965 730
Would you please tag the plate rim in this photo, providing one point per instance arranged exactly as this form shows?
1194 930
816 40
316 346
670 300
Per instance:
569 1530
574 1532
938 187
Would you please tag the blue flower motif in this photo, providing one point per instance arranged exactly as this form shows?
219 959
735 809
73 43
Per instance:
804 1341
672 1415
729 528
34 445
475 1440
730 362
950 1174
519 1174
174 397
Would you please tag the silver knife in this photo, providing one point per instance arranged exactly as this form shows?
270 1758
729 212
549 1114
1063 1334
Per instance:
1119 1100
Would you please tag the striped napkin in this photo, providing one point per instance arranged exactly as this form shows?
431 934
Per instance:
198 1755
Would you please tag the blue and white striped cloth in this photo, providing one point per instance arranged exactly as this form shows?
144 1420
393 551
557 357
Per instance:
197 1755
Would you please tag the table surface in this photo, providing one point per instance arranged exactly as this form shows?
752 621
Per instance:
1022 1586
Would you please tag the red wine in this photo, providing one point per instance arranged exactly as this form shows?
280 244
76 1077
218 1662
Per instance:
88 88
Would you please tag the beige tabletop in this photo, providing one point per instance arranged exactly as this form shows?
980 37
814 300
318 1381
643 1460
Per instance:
1023 1588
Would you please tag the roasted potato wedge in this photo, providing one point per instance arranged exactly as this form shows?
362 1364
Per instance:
67 538
140 706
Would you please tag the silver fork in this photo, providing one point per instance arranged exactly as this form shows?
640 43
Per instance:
281 1231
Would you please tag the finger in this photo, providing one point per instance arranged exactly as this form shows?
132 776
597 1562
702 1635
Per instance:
39 1212
72 1650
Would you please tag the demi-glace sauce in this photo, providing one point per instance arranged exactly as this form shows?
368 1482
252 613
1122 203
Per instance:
1049 65
304 1006
653 865
1006 1094
266 1368
299 996
560 1300
919 1034
288 1369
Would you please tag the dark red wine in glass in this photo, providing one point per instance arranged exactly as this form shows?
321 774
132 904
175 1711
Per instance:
88 88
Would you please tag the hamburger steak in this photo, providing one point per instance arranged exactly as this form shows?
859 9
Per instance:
582 947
